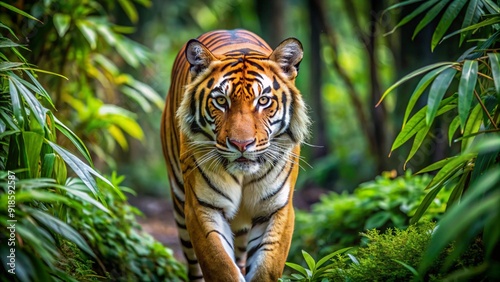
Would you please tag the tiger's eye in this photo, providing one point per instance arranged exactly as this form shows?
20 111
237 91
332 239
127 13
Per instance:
264 101
221 101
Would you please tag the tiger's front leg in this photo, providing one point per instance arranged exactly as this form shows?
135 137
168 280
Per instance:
211 238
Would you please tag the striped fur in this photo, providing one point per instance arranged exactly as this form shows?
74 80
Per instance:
231 134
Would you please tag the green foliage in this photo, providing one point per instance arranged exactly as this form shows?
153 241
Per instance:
124 251
473 103
43 232
80 40
336 221
390 256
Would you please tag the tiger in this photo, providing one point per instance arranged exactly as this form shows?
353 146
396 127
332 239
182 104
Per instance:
231 132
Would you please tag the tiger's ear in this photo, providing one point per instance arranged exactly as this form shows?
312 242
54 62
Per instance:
198 56
288 55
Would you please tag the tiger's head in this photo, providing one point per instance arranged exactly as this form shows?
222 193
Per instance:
242 110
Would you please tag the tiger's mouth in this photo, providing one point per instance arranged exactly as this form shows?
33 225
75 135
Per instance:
243 160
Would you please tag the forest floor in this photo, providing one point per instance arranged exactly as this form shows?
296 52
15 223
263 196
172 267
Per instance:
158 219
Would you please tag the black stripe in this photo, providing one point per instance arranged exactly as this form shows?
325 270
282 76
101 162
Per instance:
210 82
192 277
222 235
229 73
280 187
254 73
276 85
241 232
186 244
255 64
207 180
202 121
253 250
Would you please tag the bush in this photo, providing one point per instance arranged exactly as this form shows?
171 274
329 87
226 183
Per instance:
390 256
336 221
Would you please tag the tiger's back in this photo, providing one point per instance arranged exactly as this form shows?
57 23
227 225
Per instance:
231 134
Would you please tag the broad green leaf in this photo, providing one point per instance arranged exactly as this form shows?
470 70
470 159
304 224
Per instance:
429 16
422 85
32 149
61 23
472 15
454 125
48 165
88 32
448 17
421 8
309 261
466 90
412 75
472 126
436 93
495 70
297 267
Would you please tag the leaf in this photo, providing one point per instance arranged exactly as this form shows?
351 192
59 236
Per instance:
81 169
63 229
74 139
421 8
436 165
417 142
33 103
129 10
87 32
472 15
495 71
448 17
412 75
417 123
17 103
449 169
331 255
431 14
472 126
422 85
5 66
61 23
32 149
297 267
454 125
14 9
487 22
466 90
309 261
437 91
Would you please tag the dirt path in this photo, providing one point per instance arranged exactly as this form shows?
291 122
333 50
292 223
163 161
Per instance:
158 220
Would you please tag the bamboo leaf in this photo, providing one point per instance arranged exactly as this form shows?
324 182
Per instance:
21 12
437 91
417 142
17 104
435 166
5 66
33 103
449 169
420 9
487 22
129 9
412 75
495 70
422 85
472 15
449 16
472 126
433 12
454 125
466 90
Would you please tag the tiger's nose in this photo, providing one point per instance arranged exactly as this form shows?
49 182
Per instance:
241 145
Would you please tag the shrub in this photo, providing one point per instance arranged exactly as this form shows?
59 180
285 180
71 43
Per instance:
336 221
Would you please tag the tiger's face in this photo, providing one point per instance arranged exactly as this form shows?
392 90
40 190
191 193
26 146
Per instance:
244 111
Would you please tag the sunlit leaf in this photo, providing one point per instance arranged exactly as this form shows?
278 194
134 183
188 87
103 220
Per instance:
88 32
129 9
429 16
119 137
297 267
61 23
466 90
436 93
446 20
412 75
495 70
